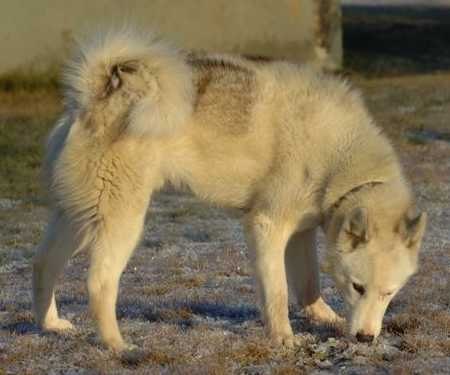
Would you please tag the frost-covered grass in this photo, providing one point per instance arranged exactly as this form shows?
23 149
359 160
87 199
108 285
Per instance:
187 297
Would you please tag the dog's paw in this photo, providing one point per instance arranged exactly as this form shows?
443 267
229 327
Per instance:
288 341
339 321
328 319
321 313
118 346
57 325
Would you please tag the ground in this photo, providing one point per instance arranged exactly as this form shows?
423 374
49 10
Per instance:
187 297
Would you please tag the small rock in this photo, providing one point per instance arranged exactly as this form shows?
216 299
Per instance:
320 355
255 370
389 352
133 357
359 360
324 364
349 353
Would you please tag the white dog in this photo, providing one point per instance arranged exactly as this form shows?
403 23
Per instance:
292 148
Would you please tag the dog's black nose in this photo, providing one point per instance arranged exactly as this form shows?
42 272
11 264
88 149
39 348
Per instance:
362 337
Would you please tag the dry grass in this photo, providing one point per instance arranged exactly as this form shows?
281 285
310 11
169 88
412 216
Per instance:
25 120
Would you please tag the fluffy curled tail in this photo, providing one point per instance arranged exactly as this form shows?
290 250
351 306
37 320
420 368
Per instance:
134 74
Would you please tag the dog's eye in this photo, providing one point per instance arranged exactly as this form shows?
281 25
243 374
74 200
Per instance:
359 288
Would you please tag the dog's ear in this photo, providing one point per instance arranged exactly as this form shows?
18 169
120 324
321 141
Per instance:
355 227
412 227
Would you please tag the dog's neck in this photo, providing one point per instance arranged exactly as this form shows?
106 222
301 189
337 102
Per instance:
335 206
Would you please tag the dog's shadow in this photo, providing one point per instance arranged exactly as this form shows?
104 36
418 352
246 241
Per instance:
229 316
189 314
20 328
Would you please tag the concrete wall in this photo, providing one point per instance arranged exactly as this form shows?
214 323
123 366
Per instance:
38 33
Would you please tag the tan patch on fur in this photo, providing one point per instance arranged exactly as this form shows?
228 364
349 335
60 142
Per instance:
225 94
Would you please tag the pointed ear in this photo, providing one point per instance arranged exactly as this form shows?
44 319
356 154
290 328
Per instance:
412 227
355 227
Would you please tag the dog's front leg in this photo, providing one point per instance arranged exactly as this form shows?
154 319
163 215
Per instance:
267 239
303 276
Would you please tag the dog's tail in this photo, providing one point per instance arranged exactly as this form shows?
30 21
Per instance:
160 93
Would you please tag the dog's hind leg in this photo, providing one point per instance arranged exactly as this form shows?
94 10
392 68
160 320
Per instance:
116 238
303 276
52 254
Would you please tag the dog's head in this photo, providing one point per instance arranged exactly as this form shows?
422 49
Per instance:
372 255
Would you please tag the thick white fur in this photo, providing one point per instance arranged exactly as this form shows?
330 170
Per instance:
293 148
170 103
